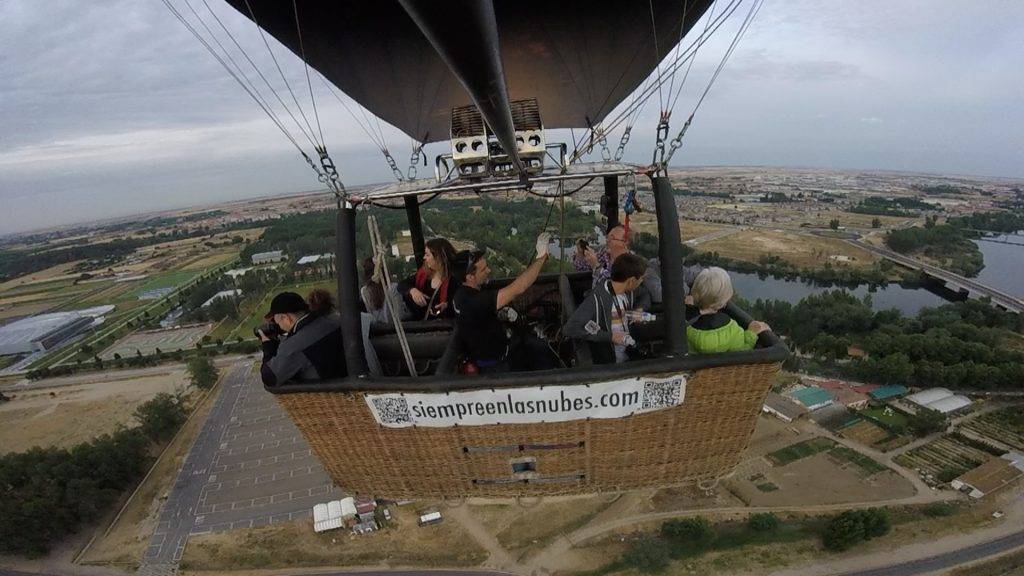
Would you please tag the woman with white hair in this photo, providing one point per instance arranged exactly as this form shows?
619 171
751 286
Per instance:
714 330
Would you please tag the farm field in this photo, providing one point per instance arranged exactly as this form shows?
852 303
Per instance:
870 434
294 544
68 415
165 280
1006 426
890 417
802 250
147 342
945 458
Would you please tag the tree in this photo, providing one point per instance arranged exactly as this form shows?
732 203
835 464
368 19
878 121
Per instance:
834 224
647 555
843 531
688 530
927 421
876 223
160 417
202 372
763 522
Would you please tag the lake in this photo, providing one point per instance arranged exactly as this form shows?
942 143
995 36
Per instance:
1004 270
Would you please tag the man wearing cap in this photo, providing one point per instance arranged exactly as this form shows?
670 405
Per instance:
309 347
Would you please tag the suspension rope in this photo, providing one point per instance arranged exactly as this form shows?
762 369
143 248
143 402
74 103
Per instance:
381 269
258 72
177 14
654 83
277 65
657 52
305 64
677 142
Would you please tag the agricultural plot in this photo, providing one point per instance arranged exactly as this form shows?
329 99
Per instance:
165 280
146 343
945 458
1006 426
870 434
800 450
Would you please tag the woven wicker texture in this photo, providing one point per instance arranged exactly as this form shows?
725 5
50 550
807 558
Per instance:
701 439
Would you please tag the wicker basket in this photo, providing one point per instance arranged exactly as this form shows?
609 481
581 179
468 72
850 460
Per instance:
699 439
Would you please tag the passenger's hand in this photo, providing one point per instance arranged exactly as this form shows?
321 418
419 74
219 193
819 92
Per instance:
757 327
440 308
418 297
263 336
543 240
619 338
591 257
688 300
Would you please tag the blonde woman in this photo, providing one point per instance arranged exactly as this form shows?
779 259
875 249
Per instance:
714 330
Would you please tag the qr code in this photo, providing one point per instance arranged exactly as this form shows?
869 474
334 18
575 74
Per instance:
392 410
662 394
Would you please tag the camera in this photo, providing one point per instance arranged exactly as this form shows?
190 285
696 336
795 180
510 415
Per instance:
271 329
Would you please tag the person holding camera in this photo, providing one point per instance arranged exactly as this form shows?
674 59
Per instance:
603 319
301 340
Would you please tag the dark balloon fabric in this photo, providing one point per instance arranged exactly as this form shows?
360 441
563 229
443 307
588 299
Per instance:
578 58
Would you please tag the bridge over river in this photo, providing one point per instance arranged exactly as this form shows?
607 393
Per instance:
952 281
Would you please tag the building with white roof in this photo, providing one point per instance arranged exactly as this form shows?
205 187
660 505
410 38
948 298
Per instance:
939 399
268 257
45 331
312 259
221 294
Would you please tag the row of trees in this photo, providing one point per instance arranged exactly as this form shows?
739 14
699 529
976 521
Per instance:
688 537
46 494
959 345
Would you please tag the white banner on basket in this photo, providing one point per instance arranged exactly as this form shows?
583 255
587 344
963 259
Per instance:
613 399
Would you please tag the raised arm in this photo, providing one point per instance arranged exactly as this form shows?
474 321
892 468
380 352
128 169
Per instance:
528 276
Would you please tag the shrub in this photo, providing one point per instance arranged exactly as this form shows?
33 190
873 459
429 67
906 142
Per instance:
647 555
854 526
763 522
938 509
696 529
160 417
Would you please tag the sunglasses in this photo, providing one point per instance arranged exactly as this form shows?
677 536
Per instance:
474 257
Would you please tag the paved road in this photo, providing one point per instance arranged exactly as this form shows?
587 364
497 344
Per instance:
249 466
949 559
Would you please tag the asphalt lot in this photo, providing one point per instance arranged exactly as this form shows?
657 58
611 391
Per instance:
249 466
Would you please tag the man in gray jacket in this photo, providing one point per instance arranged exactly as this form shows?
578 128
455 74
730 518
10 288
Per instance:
603 319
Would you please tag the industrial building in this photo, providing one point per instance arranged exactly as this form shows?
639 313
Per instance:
888 392
991 476
812 397
221 294
313 259
783 408
267 257
46 331
940 400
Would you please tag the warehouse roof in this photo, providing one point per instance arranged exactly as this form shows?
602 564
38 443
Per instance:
949 404
992 475
812 396
925 397
886 392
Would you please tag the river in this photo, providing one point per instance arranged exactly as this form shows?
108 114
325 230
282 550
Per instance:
1004 270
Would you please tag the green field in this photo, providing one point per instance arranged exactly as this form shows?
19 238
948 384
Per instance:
800 450
895 420
867 465
165 280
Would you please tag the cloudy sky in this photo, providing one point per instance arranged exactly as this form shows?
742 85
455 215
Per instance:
111 107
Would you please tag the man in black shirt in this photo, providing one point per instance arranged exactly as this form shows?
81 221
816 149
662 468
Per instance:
483 337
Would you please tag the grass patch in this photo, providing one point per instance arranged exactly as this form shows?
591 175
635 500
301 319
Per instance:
767 487
894 420
165 280
294 544
867 465
800 450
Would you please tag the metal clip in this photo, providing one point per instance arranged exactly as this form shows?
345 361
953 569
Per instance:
622 143
658 160
677 142
394 166
606 154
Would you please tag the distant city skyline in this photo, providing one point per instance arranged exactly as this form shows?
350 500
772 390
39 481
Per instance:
104 120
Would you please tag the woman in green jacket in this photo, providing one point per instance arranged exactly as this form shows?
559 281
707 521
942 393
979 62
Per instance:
713 330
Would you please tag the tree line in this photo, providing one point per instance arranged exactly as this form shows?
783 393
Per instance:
957 345
47 494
